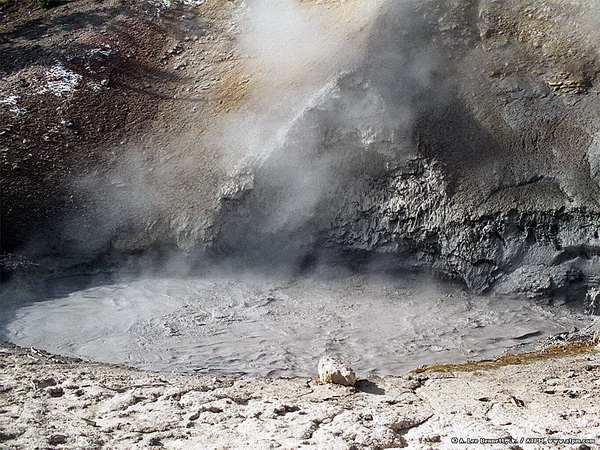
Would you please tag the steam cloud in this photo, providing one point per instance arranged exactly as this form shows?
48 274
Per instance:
348 115
337 89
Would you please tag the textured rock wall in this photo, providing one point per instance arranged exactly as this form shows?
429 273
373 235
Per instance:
464 136
466 141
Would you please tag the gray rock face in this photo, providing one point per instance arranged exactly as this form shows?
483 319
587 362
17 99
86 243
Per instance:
592 301
466 142
464 139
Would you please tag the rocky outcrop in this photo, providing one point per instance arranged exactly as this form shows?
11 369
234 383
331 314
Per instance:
592 301
466 142
464 137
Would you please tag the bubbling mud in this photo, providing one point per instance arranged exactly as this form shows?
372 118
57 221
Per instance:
278 327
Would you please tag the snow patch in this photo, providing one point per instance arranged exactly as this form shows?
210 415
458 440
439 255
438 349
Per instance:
96 87
60 81
168 4
10 102
96 51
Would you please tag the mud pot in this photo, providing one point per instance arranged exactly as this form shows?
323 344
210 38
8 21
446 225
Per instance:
276 326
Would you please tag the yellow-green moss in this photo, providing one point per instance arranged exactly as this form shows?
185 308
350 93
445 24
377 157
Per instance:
507 359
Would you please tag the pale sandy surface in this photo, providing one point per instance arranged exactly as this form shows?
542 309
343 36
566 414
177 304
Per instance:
51 402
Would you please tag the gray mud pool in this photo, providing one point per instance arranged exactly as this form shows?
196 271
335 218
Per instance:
278 327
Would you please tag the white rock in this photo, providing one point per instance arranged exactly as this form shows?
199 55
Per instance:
592 301
332 370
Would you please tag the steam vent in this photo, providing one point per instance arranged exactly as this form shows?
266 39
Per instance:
202 199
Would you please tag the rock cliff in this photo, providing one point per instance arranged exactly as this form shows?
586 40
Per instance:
457 136
465 141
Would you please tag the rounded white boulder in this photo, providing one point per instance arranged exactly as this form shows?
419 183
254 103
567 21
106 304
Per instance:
334 371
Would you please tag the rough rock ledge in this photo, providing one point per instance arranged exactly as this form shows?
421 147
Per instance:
49 401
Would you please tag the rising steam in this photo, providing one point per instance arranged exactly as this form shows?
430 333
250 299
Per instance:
337 88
